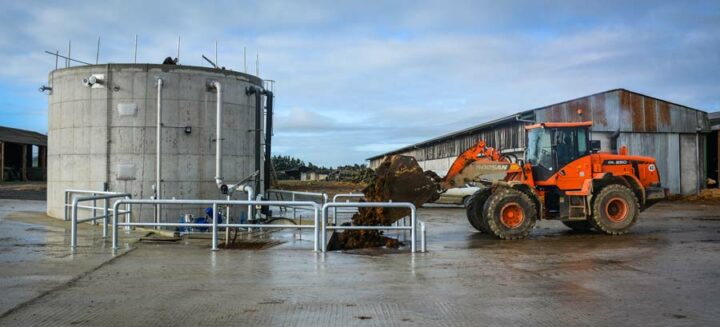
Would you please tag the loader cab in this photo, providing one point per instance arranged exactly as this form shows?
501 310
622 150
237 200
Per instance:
551 146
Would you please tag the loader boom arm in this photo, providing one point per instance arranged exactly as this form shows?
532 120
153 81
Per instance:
480 152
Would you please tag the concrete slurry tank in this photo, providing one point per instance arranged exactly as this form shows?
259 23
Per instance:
102 133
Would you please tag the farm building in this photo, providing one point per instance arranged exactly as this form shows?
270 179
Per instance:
23 155
676 135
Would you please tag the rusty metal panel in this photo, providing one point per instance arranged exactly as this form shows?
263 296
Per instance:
649 112
583 105
682 120
597 109
637 112
625 115
556 113
664 120
543 115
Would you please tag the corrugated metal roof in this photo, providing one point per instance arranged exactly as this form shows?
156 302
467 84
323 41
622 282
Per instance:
714 117
469 130
14 135
610 110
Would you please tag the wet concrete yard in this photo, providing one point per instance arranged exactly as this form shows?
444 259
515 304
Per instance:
665 272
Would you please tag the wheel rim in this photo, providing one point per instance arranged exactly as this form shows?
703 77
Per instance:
616 209
511 215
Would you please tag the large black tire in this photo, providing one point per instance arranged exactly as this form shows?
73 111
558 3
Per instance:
474 209
615 210
510 214
583 226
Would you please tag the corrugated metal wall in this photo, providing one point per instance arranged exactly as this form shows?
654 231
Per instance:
626 111
647 126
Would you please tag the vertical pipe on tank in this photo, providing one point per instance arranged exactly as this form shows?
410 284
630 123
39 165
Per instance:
268 138
218 137
158 148
258 131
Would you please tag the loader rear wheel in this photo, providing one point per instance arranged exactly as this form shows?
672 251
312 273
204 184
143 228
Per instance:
615 210
474 209
510 214
579 225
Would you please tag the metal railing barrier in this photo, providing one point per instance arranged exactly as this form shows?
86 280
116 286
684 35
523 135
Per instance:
74 221
412 228
346 196
215 225
69 193
322 198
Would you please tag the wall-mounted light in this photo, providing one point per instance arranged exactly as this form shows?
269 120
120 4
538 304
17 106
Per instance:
46 89
94 81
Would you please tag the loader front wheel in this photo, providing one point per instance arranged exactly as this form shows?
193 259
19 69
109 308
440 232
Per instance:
510 214
474 208
615 210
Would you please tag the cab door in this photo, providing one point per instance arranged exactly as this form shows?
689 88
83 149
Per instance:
571 153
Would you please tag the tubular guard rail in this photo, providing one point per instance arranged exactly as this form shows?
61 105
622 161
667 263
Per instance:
215 225
412 228
75 206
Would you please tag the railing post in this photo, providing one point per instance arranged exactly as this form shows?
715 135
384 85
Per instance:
73 225
317 231
214 227
128 215
65 208
323 232
293 208
334 213
116 207
94 211
227 220
413 230
105 220
423 246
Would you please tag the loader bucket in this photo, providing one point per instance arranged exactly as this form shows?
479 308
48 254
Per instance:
398 179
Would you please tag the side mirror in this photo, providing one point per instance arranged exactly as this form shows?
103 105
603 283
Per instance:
594 146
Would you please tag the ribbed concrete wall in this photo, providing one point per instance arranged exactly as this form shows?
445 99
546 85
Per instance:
95 132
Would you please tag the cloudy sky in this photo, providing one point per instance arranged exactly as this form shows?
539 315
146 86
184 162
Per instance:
358 78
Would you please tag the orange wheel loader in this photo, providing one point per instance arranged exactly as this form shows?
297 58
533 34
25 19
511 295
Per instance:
562 177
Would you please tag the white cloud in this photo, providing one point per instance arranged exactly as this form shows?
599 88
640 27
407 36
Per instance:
362 78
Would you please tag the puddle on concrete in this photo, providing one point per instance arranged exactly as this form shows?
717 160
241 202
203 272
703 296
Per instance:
251 244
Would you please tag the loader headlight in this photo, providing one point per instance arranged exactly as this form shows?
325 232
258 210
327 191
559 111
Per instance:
651 167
